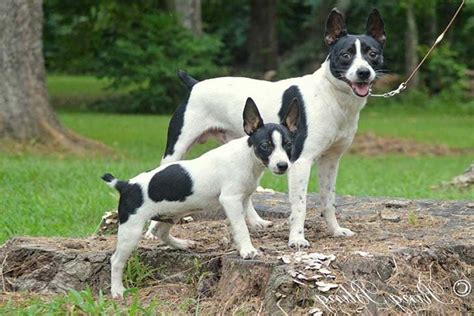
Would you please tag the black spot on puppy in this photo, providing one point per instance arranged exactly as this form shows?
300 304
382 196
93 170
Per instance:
171 184
131 198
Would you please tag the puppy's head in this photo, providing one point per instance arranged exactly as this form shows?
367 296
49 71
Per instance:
355 59
272 143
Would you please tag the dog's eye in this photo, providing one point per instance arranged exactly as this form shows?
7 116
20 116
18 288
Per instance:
373 54
264 146
346 56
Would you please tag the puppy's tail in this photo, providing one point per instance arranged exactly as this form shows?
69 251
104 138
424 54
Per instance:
114 183
188 81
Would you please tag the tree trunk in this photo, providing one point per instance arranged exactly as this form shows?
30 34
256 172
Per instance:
189 14
25 113
262 35
411 44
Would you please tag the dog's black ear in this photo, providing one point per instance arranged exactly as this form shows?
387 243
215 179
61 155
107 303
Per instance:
252 118
375 27
291 118
335 27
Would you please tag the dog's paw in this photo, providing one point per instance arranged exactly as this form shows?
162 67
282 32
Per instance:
117 292
298 242
182 244
260 223
342 232
248 253
149 235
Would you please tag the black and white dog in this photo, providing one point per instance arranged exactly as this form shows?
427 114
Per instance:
226 176
330 101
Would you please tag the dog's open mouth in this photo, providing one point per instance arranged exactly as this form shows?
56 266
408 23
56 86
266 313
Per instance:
361 89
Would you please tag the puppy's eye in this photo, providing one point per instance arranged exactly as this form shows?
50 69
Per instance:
265 146
373 54
346 56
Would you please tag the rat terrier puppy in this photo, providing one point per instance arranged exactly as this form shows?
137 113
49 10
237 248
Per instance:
226 176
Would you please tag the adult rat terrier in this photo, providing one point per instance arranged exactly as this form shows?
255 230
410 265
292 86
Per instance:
226 176
330 100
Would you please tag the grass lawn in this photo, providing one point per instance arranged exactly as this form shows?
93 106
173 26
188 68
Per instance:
62 195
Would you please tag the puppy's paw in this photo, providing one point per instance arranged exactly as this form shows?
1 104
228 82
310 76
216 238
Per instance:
182 244
248 252
260 223
117 292
298 243
342 232
149 235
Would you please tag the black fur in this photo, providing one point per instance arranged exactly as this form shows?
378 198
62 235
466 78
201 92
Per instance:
262 142
302 127
131 198
188 81
171 184
175 127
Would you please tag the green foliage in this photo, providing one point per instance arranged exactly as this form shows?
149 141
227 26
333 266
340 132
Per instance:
79 303
443 71
137 273
145 48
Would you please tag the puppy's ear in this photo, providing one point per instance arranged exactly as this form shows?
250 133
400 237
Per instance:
291 118
335 27
375 27
252 118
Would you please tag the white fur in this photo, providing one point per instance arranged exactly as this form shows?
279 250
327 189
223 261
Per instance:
279 154
332 114
225 176
359 62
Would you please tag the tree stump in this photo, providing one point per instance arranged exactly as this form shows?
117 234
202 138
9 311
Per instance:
407 256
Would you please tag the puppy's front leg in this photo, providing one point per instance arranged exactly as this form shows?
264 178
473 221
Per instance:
254 219
328 166
298 178
235 208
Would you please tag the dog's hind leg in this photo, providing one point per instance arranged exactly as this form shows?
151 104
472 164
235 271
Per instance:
127 239
254 219
163 233
327 173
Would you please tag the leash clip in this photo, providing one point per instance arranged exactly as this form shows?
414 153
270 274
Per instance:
392 93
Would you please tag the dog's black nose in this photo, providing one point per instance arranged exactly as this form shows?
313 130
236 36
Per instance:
363 73
282 166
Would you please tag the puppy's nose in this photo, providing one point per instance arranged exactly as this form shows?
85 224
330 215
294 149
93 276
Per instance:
363 73
282 166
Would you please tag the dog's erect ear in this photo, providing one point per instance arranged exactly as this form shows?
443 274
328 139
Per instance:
290 120
375 27
335 27
252 118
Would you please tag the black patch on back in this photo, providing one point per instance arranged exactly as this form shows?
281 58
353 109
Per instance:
175 127
302 126
171 184
131 198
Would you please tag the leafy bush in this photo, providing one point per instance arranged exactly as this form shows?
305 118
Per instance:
443 73
143 51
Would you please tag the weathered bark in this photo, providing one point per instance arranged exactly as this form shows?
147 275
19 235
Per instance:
189 14
25 113
262 39
411 44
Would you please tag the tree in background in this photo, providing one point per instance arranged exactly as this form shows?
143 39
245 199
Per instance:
25 114
262 40
189 14
411 43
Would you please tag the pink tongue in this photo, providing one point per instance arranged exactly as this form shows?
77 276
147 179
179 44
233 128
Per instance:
361 89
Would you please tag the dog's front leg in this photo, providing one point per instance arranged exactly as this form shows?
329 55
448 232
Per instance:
328 166
235 208
298 178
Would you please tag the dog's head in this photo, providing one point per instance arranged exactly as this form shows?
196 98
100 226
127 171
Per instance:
355 59
272 143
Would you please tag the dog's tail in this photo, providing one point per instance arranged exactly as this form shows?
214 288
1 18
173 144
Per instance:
188 81
114 183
